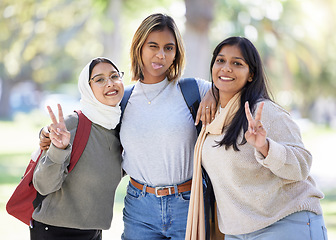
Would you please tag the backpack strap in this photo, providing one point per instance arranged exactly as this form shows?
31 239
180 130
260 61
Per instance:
81 138
127 93
192 97
190 92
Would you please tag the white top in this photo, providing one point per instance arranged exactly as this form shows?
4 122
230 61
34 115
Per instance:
159 138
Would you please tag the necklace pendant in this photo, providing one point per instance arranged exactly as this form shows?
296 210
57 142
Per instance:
150 101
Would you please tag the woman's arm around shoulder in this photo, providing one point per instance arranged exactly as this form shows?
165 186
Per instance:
207 108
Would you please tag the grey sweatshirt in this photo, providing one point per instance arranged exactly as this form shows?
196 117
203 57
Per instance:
84 197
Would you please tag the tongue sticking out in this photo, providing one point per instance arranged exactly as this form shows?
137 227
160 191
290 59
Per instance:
157 65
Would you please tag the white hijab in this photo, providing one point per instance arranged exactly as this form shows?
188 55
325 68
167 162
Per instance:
99 113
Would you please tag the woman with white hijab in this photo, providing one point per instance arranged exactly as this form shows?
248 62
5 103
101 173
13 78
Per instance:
79 205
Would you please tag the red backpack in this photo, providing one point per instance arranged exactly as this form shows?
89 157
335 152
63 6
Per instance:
25 198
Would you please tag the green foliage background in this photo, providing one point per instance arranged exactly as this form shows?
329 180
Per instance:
48 42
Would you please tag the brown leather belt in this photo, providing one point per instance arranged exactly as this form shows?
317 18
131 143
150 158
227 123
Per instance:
163 191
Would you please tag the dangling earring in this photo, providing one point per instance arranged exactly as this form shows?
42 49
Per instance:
250 79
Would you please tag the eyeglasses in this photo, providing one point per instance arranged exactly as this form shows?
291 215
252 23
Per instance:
102 81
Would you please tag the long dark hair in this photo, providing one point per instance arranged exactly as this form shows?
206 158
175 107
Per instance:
253 91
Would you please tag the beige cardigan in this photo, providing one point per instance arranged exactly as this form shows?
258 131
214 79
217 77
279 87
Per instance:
253 192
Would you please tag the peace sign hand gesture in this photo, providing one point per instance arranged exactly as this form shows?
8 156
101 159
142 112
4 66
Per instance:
256 134
59 134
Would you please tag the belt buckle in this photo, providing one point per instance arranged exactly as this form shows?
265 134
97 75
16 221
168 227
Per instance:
162 188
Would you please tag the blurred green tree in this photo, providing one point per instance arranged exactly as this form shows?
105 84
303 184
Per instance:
295 39
48 42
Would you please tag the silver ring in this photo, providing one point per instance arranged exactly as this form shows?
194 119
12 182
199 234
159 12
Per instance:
206 107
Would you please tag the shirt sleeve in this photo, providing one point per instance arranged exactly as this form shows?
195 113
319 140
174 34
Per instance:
52 169
203 86
287 157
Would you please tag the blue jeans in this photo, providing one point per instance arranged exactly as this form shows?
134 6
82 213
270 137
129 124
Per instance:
302 225
149 217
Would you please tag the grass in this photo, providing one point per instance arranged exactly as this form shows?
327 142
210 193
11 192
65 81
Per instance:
329 209
20 139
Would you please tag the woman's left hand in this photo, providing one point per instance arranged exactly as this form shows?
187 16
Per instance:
256 133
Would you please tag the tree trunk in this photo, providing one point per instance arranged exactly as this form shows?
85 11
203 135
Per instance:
112 39
199 15
5 90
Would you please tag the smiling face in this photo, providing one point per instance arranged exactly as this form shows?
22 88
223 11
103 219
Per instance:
157 55
110 94
230 72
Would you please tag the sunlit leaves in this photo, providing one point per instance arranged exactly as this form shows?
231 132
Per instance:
295 38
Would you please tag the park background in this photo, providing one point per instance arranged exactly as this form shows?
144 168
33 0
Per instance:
45 44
